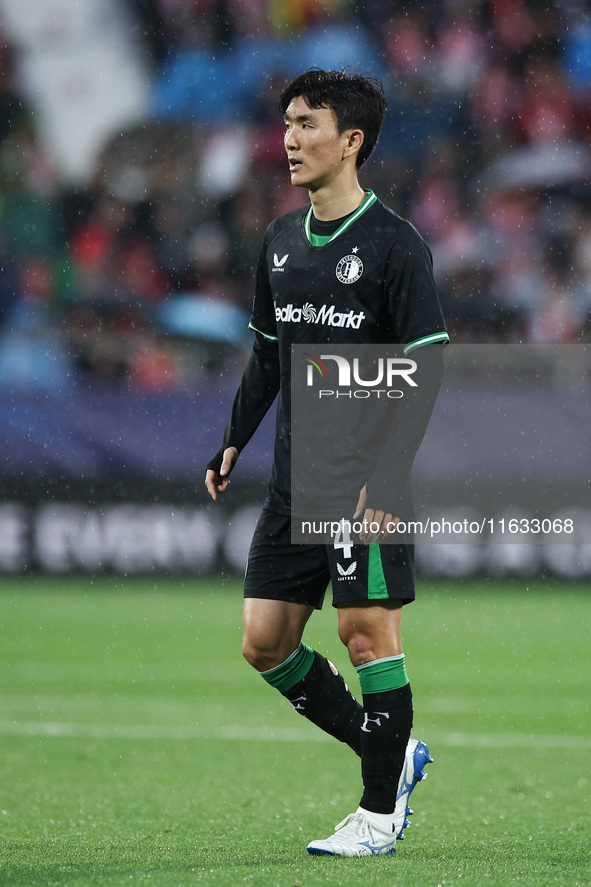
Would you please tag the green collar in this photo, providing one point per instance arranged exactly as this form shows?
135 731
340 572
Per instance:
322 240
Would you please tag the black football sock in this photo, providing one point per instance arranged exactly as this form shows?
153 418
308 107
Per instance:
322 696
387 722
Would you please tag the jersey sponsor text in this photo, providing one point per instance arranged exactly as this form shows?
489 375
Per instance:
325 315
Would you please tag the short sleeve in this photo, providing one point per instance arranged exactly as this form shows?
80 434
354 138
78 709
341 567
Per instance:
263 320
414 305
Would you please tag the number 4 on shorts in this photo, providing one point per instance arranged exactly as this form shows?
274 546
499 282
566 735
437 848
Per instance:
343 541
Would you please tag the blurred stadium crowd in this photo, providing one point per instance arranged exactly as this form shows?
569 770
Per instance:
143 276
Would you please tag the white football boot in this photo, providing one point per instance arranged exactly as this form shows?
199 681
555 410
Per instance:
355 836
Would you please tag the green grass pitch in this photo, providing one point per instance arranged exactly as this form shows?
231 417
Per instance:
138 748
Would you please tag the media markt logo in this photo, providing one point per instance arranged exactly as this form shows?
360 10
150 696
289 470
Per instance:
349 269
309 313
325 315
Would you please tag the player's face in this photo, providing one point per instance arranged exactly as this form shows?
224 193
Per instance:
315 150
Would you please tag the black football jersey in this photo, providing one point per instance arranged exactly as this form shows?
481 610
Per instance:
370 283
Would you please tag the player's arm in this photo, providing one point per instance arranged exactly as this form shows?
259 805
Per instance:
257 391
381 498
259 385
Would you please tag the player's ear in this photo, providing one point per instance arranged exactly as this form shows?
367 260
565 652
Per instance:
354 139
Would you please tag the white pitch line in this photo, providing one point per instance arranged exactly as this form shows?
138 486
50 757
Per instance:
58 729
148 731
513 740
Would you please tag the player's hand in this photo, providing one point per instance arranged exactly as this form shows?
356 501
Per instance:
219 483
377 525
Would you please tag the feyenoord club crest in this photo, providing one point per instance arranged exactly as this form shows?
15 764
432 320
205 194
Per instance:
349 269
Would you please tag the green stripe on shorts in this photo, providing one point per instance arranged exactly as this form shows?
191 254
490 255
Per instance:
376 581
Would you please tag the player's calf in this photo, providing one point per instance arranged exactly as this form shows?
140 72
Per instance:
318 692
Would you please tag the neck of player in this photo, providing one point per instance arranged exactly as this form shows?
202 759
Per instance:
337 200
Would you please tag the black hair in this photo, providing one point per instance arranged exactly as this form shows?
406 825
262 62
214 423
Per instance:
358 102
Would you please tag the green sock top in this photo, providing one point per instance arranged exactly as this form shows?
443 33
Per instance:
382 675
286 675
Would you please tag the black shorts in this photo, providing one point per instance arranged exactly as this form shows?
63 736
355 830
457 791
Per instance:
278 570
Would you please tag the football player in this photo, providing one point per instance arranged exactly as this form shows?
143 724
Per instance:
344 269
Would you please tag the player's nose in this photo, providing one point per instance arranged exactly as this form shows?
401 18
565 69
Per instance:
291 142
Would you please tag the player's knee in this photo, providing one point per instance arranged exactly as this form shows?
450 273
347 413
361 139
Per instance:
356 639
360 647
252 654
261 657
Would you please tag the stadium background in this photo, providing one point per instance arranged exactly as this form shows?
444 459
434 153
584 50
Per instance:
140 161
